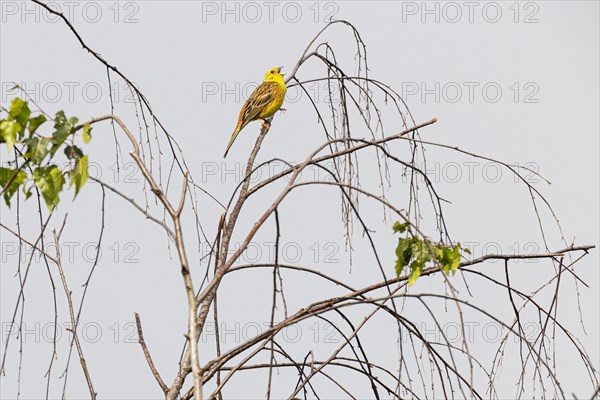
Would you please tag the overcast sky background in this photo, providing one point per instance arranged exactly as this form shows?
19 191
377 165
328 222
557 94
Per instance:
517 82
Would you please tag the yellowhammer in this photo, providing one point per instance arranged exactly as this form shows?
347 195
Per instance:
265 101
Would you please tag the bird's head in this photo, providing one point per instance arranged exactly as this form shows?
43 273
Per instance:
274 75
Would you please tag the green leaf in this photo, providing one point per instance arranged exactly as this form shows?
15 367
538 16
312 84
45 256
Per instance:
20 112
59 119
438 252
399 267
87 133
407 253
401 247
404 253
8 132
450 259
416 268
420 251
35 123
62 129
27 192
50 181
73 152
455 258
400 228
79 175
37 149
403 250
6 174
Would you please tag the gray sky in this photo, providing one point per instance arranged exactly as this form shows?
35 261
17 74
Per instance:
513 81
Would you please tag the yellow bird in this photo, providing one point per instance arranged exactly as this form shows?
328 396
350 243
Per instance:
265 101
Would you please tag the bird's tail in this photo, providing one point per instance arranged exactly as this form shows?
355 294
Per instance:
233 136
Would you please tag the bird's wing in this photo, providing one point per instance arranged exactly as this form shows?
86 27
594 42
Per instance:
262 96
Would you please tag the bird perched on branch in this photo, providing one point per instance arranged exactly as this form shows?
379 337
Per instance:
265 101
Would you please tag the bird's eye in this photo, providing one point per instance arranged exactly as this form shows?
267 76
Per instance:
272 72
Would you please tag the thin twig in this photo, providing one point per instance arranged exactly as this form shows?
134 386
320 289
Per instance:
142 343
73 328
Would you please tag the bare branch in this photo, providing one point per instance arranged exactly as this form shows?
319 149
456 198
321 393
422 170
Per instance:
142 343
73 328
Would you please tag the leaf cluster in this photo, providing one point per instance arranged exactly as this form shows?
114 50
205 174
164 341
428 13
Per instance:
35 163
414 253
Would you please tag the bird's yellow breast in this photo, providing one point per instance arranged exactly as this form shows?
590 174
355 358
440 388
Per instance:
278 97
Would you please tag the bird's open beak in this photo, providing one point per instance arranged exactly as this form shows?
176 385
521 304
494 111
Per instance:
279 70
